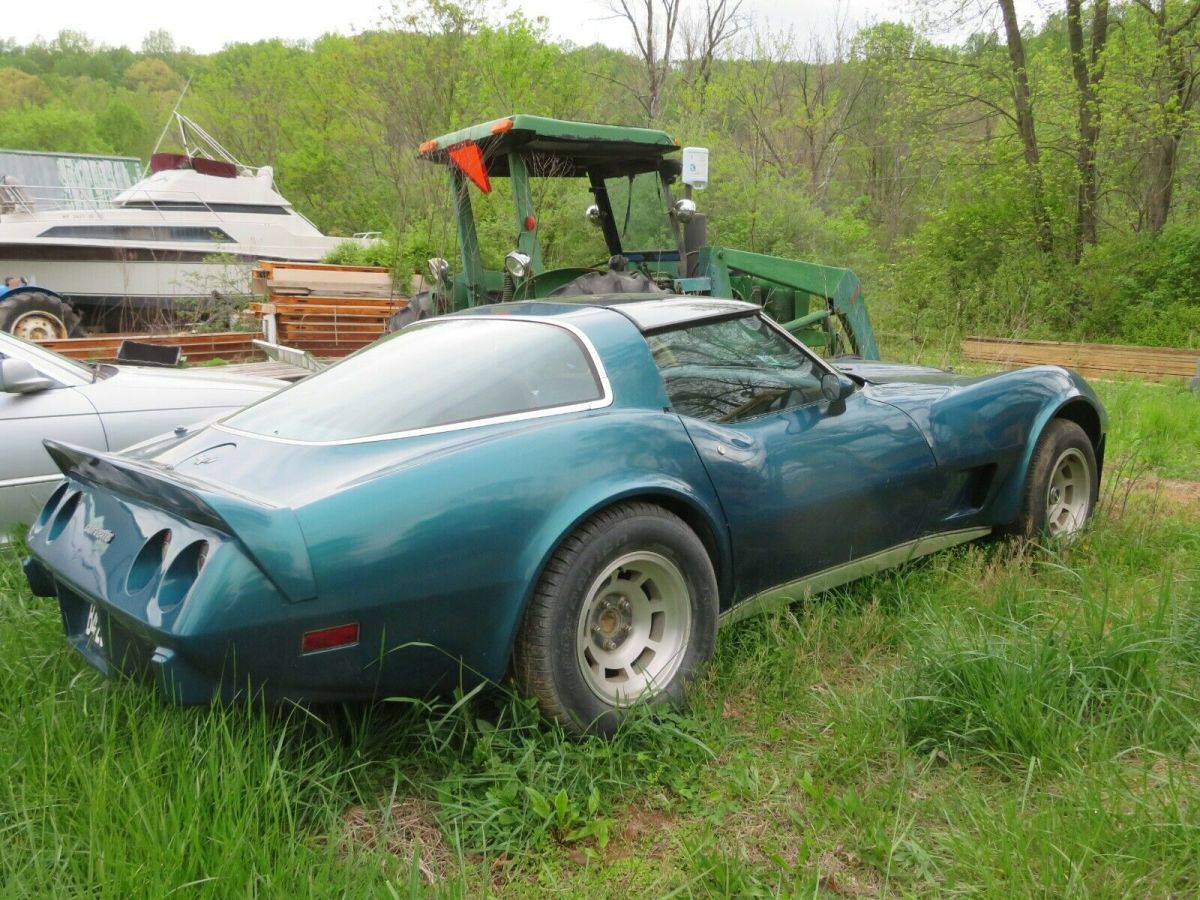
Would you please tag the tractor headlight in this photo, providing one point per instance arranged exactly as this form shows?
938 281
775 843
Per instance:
439 270
684 210
516 264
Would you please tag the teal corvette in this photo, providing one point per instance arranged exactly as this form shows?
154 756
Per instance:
573 493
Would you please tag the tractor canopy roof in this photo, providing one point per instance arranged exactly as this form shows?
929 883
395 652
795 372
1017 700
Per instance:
557 147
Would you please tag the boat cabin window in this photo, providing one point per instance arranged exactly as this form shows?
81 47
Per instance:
198 206
187 233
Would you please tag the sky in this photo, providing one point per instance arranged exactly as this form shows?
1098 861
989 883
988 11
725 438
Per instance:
207 25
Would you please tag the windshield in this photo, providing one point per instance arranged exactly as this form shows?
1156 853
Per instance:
640 211
444 373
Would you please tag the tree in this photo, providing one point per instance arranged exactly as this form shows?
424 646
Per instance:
705 34
1023 103
151 75
1176 89
1087 66
18 89
653 23
158 43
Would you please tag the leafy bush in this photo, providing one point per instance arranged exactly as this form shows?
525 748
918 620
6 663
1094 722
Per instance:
1144 290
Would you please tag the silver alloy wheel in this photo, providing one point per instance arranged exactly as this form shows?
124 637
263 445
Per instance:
1069 494
39 326
634 627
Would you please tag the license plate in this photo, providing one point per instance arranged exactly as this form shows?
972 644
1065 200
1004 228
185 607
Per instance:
92 630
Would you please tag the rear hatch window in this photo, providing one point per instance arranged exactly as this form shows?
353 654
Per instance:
441 374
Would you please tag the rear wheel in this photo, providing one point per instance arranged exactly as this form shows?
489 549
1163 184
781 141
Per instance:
35 316
1062 485
626 612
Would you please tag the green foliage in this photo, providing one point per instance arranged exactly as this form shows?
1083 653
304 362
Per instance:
55 126
995 721
894 155
1028 690
382 252
1146 290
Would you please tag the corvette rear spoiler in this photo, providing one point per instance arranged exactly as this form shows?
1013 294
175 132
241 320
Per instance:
270 534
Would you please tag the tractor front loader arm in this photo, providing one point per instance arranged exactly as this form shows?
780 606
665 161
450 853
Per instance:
785 286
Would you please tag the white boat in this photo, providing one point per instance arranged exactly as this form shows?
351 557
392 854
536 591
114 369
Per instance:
193 226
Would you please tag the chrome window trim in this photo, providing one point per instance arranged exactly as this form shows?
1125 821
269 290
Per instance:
31 479
605 399
819 364
796 342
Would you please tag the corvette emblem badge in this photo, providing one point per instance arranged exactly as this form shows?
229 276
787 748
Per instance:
100 534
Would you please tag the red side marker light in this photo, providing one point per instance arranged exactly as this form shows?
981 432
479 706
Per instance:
530 223
330 638
469 160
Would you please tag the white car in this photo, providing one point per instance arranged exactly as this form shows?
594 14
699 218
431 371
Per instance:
45 395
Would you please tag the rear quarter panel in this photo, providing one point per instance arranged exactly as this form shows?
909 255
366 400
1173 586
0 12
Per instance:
448 547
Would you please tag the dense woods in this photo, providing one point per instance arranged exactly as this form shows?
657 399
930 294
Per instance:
1033 179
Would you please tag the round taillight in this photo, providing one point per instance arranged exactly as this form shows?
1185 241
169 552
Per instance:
181 575
63 516
148 562
51 505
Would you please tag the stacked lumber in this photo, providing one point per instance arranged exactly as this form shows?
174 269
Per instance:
1092 360
227 345
325 309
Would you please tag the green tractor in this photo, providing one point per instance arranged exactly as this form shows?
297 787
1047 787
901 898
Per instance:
645 222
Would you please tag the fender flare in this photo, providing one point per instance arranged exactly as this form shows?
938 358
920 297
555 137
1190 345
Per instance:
34 289
1062 405
678 497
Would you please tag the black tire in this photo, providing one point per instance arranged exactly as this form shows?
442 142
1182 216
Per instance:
552 647
36 316
1063 447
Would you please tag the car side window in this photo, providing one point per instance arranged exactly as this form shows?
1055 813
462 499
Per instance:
733 370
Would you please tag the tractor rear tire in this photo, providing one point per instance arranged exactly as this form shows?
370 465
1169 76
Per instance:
36 316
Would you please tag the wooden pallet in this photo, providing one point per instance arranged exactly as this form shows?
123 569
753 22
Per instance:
1093 360
278 279
328 310
229 345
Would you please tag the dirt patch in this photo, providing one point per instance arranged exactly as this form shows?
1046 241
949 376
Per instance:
643 833
845 874
407 830
1173 494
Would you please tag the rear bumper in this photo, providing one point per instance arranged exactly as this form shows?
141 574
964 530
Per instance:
118 647
262 663
147 593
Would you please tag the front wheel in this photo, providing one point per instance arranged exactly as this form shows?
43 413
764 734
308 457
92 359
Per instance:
1062 485
626 612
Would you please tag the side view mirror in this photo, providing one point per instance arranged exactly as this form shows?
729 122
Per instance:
836 387
592 214
19 377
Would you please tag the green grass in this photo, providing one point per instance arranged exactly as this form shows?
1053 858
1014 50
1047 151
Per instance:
995 720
